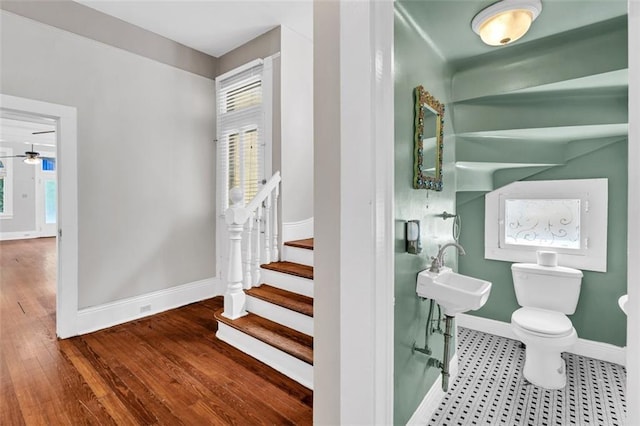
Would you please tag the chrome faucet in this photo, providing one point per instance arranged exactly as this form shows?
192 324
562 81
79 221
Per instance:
437 262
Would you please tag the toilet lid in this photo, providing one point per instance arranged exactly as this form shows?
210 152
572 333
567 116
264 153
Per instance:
542 321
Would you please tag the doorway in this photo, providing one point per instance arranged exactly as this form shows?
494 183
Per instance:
59 195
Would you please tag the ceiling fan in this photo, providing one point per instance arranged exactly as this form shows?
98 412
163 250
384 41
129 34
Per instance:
30 157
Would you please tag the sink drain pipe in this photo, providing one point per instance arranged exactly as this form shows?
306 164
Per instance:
444 365
445 357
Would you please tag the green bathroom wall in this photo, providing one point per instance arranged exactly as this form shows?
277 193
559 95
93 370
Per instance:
597 316
416 63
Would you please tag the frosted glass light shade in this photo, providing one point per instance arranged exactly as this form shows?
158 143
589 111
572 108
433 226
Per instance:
506 21
31 159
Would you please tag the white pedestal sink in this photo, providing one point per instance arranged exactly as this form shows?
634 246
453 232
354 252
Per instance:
455 293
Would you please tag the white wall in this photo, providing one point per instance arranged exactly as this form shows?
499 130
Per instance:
146 190
296 125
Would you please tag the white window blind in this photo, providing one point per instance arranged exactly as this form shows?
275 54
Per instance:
240 112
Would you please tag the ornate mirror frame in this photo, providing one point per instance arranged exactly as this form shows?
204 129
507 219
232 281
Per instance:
424 99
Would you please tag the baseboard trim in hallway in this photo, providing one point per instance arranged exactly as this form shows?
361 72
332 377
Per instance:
133 308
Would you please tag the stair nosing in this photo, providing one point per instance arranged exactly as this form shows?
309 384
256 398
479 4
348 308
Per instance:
300 342
298 244
278 303
273 267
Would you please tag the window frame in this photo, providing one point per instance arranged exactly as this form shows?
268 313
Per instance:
584 204
593 195
263 125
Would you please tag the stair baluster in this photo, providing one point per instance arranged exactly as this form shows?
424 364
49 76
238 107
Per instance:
275 254
244 256
267 230
247 257
256 258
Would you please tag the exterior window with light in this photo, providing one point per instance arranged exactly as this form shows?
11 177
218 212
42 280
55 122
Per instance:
568 217
242 135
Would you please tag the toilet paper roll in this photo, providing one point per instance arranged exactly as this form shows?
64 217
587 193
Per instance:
547 258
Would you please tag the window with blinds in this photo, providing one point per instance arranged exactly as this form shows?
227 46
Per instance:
240 131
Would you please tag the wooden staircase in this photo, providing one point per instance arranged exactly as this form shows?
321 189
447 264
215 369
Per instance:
278 329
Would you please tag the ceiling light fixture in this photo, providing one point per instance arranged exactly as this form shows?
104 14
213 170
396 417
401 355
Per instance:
506 21
32 157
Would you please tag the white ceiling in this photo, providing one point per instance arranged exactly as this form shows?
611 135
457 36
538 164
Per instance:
20 130
211 26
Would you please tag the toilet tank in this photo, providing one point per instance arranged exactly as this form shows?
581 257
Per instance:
556 288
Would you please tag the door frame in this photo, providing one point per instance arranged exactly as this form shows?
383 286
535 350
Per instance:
67 239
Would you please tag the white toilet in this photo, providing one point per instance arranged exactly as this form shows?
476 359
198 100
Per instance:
546 294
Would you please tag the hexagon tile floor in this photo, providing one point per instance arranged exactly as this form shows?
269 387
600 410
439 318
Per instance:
490 390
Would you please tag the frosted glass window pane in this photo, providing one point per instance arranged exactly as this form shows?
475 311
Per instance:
50 190
543 223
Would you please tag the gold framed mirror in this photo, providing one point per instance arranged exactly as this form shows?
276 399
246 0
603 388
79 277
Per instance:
428 141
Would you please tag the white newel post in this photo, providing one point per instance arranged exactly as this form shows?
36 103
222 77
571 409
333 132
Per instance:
235 216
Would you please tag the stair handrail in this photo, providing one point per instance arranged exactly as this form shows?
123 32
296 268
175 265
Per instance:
264 192
250 226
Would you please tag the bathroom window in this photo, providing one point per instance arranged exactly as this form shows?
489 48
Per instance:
567 216
546 222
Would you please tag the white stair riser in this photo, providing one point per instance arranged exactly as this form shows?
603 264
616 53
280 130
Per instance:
297 255
284 316
288 365
287 282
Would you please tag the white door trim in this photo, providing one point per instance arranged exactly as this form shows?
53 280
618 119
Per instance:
633 240
353 212
66 153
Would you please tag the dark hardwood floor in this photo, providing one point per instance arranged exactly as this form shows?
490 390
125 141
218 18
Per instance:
168 369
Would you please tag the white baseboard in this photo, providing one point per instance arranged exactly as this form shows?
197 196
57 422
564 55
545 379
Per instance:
434 396
292 231
125 310
288 365
20 235
583 347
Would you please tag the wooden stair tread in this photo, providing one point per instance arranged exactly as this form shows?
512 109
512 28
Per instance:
291 268
307 243
286 299
290 341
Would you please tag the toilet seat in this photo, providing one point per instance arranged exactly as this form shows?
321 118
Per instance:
542 322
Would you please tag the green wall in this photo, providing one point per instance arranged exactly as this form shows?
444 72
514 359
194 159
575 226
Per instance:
416 64
597 316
